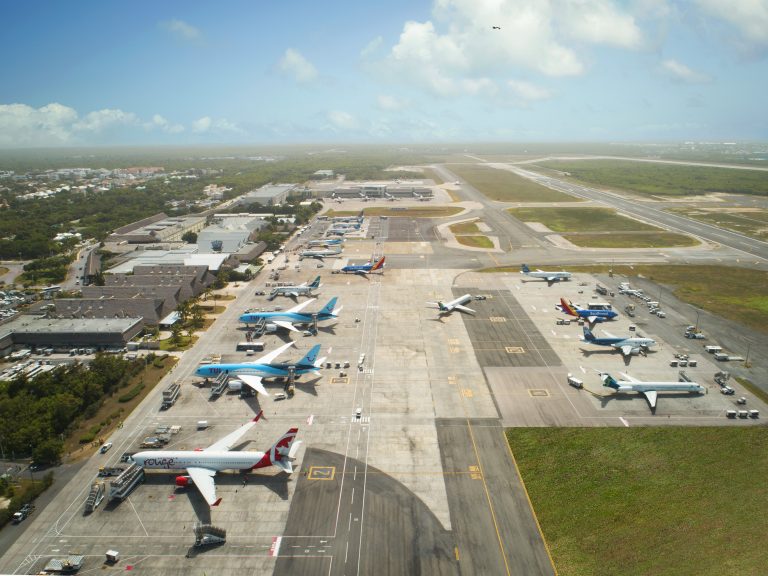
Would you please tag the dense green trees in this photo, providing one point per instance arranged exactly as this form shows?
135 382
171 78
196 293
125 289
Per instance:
34 414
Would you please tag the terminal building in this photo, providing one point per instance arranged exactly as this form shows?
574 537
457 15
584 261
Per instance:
269 195
158 228
31 331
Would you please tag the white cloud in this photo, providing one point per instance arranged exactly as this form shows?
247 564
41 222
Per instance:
294 64
681 72
103 119
527 92
206 125
599 22
182 29
163 124
471 47
22 125
391 103
341 120
750 17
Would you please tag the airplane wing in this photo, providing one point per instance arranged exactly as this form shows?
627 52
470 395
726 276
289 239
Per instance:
463 308
230 439
300 307
254 382
628 378
267 358
627 349
285 324
551 279
294 294
203 479
651 395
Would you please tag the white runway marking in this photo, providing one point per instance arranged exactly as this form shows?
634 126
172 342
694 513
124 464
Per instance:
624 421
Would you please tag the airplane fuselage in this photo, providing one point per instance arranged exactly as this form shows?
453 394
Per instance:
276 370
183 459
658 387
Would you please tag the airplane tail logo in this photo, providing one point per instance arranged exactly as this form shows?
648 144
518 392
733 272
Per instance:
442 307
328 308
588 336
568 308
315 283
280 453
525 269
379 265
310 358
609 381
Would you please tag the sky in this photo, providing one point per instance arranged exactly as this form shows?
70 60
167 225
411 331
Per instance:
96 73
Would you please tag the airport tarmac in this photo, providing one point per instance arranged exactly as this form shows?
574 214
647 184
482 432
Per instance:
421 480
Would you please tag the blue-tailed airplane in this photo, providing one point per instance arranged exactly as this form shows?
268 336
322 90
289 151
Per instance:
286 319
649 389
550 277
591 315
628 345
253 372
364 269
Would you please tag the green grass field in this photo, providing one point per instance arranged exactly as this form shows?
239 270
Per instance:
507 187
475 241
751 223
649 501
631 240
465 228
738 294
580 219
664 179
416 212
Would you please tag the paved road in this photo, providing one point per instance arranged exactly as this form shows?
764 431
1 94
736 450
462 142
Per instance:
651 214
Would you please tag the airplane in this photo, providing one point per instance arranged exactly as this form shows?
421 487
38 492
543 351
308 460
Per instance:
364 197
364 268
457 304
252 372
419 197
320 254
628 345
390 197
335 232
336 197
287 318
550 277
591 315
326 242
202 465
346 225
649 389
296 291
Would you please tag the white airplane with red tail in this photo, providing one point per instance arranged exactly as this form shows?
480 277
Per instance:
202 464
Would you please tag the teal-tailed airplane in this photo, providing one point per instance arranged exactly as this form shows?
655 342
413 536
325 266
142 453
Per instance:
550 277
456 304
252 373
649 389
286 319
320 254
295 291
